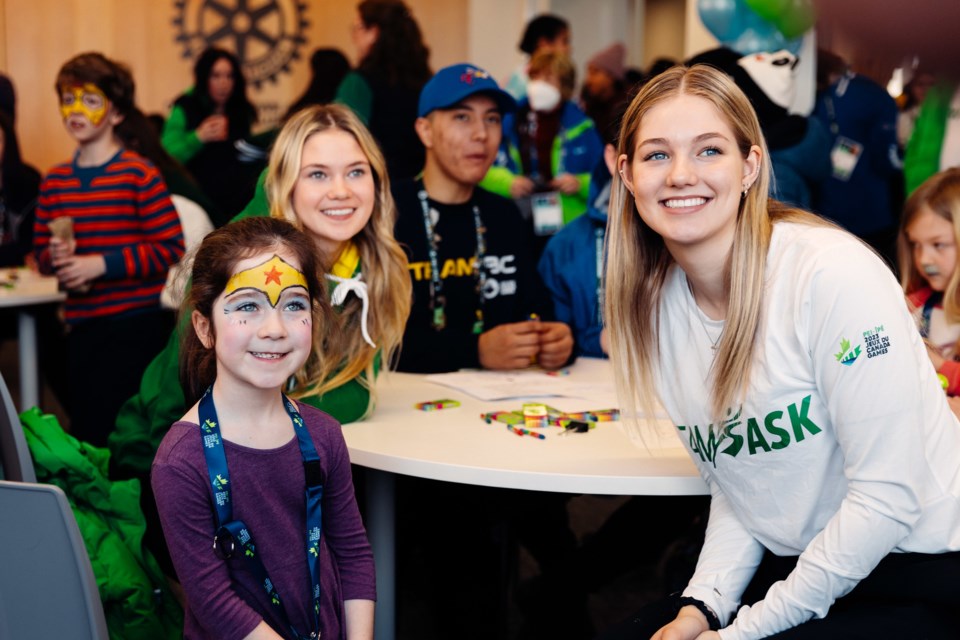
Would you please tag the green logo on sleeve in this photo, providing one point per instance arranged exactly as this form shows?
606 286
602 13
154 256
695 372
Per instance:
847 355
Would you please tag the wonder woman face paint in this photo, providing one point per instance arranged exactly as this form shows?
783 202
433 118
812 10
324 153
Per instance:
271 277
86 100
261 325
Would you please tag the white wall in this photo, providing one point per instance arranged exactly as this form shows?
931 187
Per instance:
493 31
495 28
649 29
696 36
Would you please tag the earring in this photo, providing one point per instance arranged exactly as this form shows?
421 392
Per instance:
745 189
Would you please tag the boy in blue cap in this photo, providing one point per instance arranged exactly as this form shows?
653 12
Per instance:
478 301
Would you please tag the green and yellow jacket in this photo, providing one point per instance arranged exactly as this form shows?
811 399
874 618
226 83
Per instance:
576 150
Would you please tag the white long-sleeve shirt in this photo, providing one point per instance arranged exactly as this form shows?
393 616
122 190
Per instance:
844 448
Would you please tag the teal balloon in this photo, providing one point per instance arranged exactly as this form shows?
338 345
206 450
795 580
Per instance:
757 34
722 18
738 26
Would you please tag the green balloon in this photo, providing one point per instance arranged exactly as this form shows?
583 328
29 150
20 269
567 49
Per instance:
769 10
797 19
792 18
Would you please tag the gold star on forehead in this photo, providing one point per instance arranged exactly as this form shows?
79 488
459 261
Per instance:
270 277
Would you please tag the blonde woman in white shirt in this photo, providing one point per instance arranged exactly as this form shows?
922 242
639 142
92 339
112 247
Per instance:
783 352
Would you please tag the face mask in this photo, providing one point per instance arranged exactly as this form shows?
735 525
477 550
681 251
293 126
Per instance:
543 96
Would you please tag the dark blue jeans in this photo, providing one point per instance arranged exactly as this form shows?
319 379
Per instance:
909 596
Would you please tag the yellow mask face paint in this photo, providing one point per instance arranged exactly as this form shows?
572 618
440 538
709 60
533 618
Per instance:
270 277
86 100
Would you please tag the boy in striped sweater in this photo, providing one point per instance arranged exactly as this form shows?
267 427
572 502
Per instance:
126 235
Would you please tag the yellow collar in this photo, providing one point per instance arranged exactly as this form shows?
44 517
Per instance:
347 261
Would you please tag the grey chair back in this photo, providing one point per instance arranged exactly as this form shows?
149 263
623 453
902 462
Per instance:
15 461
47 588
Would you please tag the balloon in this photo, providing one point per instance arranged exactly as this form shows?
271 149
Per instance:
737 26
769 10
720 17
798 18
792 18
758 35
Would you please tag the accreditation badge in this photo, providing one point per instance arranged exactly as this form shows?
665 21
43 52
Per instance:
547 213
845 155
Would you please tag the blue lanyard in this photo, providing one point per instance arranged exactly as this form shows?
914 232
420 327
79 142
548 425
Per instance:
438 301
932 301
233 533
534 172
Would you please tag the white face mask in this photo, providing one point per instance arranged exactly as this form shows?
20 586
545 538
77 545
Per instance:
543 96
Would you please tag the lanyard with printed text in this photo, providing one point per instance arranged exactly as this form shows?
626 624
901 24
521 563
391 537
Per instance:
438 301
233 535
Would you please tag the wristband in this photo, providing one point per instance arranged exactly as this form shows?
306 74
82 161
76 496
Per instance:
711 617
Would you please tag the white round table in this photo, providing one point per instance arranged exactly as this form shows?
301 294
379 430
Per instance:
456 445
22 290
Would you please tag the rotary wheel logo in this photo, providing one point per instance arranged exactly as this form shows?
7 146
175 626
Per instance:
265 34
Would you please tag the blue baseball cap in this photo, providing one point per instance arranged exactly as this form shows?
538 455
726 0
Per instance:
458 82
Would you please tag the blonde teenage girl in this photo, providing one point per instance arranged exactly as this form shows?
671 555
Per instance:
328 177
782 350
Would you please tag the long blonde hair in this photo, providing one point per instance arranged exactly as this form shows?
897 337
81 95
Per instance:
382 262
638 260
940 193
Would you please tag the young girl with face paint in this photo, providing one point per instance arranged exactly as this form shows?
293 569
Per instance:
927 249
253 489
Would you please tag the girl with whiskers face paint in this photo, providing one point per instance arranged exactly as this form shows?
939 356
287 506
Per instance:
782 350
927 249
254 489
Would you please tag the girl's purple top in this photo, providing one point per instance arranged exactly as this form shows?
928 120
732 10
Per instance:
224 600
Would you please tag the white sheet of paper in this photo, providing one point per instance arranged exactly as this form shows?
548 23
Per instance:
500 385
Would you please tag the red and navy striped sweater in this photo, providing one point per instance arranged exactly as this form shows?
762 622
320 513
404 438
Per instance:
122 210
